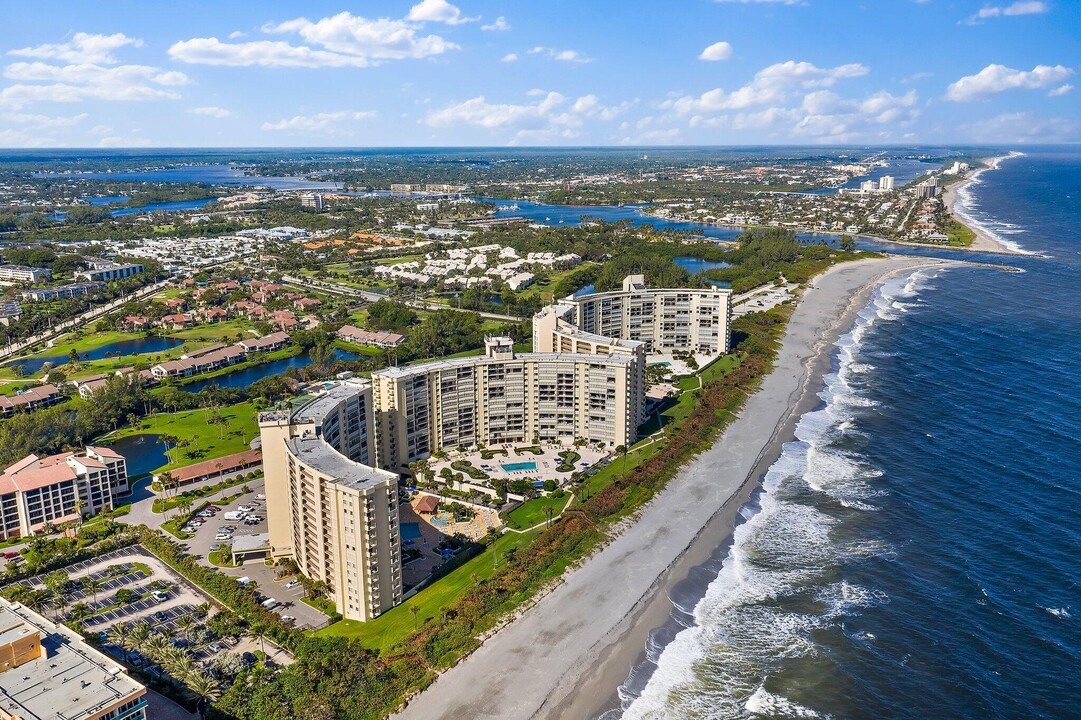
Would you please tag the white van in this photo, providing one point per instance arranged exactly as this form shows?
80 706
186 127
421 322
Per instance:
235 515
270 603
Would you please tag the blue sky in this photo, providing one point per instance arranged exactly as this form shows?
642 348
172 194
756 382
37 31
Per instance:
561 72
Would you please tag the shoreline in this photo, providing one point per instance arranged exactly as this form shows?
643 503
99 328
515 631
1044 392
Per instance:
983 242
568 652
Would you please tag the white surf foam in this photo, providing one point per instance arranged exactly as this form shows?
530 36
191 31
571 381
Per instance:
743 626
970 210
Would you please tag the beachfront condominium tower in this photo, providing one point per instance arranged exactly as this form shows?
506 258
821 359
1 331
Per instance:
504 397
328 507
664 320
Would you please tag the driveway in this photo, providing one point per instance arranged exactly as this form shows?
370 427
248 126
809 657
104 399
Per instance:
199 545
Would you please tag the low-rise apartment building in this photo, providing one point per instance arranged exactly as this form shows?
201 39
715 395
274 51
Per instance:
55 489
24 273
61 291
29 399
216 357
107 271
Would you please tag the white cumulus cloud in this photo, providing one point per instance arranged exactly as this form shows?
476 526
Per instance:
500 25
38 81
995 79
342 40
211 111
771 85
1061 90
552 116
509 58
44 121
85 67
1021 7
716 51
561 55
325 122
438 11
83 48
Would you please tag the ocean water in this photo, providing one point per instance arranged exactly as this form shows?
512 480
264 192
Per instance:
916 551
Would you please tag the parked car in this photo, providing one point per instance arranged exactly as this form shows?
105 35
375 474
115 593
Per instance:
214 547
159 596
291 584
261 496
222 536
288 618
213 508
11 554
270 603
160 616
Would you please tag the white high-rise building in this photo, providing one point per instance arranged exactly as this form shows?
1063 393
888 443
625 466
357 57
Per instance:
885 183
327 507
664 320
505 397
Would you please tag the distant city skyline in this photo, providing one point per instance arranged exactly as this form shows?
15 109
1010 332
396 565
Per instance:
480 73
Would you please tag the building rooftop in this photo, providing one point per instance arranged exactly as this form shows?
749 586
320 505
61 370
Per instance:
70 680
321 457
322 404
408 370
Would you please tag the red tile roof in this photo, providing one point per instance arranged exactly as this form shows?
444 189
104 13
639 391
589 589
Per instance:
228 463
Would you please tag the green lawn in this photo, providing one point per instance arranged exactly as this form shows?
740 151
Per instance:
396 624
217 332
635 456
533 512
398 260
192 426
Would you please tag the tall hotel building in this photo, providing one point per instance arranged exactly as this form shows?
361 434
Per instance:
664 320
505 397
327 506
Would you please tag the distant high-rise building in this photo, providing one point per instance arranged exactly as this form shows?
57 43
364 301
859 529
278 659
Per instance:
312 200
885 183
867 186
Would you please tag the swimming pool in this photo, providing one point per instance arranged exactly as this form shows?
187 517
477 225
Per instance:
410 531
515 467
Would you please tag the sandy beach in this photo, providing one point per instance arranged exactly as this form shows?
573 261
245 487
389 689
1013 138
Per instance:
565 656
983 241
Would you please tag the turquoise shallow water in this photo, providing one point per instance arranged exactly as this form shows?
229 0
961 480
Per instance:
916 552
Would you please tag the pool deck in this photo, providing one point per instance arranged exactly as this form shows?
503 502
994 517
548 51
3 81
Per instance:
544 468
432 535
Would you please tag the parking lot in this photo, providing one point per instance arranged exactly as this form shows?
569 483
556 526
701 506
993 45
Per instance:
205 537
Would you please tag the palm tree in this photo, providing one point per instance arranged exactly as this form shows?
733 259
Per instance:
413 610
92 585
203 689
79 503
38 600
138 634
120 635
622 452
185 623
